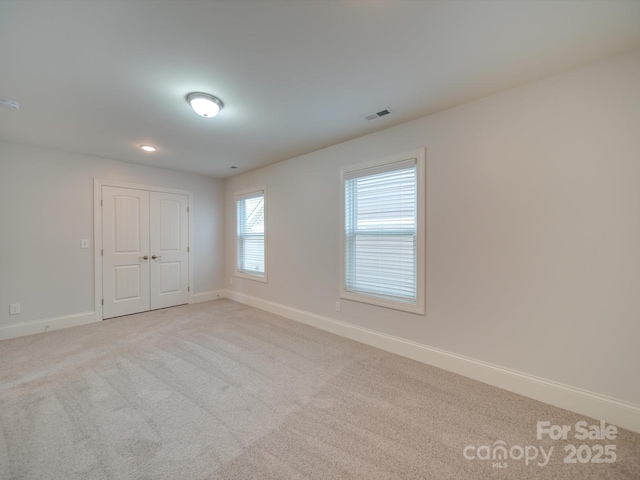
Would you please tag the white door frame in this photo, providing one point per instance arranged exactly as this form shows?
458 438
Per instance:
98 183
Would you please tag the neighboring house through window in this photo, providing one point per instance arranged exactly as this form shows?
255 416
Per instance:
250 237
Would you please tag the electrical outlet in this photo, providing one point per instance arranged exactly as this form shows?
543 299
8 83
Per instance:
230 280
14 309
84 243
337 305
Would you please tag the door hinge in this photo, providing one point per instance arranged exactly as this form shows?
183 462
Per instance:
100 202
102 253
103 301
187 208
188 289
187 249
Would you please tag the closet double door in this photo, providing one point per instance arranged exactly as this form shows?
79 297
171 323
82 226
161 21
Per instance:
145 255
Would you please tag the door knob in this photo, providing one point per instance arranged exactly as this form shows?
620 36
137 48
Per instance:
146 257
156 256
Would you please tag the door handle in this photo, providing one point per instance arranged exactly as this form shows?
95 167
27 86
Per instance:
156 256
146 257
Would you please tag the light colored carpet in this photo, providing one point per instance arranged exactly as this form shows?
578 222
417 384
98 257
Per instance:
220 390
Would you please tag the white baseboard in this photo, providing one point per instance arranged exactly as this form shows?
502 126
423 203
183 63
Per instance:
207 296
46 325
65 321
600 407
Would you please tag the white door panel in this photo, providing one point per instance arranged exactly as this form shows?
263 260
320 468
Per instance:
125 226
169 243
127 281
169 273
145 255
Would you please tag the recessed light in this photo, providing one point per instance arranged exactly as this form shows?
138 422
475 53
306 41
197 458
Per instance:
148 148
204 104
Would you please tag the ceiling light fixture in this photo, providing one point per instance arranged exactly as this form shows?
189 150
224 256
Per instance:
148 148
204 104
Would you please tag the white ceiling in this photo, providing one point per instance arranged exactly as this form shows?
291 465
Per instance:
102 77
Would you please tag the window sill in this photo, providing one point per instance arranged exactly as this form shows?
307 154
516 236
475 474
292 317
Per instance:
418 308
248 276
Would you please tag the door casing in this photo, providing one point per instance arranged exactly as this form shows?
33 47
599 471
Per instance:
97 232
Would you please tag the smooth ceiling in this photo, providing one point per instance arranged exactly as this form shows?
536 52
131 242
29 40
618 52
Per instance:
102 77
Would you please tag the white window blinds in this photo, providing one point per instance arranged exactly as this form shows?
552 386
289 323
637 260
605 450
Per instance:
250 233
381 231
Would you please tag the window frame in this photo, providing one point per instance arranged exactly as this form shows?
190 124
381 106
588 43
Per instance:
237 196
419 307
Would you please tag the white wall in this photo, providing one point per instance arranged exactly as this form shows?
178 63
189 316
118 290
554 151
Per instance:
46 208
533 229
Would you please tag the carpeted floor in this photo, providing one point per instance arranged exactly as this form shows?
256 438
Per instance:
220 390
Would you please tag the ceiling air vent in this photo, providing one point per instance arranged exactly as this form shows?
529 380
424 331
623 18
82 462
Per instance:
10 104
379 114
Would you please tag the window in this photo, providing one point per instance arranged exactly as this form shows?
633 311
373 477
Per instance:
383 254
250 238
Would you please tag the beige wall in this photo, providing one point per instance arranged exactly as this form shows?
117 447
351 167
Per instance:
533 229
46 208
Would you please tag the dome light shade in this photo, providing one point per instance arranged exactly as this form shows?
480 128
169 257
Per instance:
204 104
148 148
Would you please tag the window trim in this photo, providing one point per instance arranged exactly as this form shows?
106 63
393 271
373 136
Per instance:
243 193
419 307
